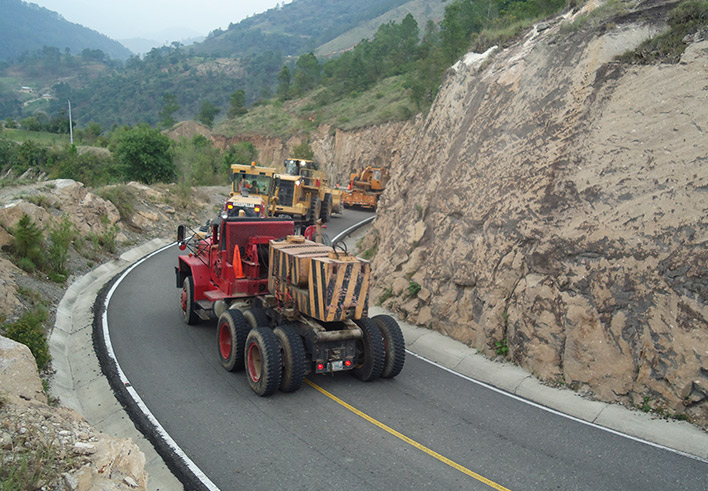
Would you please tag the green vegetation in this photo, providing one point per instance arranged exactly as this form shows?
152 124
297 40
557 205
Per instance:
501 347
370 253
29 331
122 198
413 288
303 151
27 244
388 293
687 18
389 77
61 236
145 155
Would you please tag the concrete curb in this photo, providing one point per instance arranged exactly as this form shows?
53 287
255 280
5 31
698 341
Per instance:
78 380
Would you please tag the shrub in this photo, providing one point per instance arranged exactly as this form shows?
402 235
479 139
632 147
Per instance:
105 240
388 293
29 331
28 242
413 288
61 236
123 198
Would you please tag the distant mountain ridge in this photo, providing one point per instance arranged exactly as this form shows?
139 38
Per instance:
290 29
27 27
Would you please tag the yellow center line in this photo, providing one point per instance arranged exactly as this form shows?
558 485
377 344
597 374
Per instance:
409 441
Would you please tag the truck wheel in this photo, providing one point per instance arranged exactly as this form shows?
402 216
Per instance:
189 314
394 345
263 362
231 338
256 317
292 352
314 212
370 350
326 211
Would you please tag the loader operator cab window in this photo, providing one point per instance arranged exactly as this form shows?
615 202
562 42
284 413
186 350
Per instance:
254 184
292 167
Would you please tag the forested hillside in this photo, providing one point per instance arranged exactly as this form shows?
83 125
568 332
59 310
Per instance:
175 83
292 29
27 27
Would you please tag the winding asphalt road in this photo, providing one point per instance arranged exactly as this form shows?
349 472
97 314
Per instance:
426 429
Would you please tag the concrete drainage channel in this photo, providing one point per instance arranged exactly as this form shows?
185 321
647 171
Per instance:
98 391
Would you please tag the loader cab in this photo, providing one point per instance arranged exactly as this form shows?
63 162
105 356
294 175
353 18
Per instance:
294 167
253 179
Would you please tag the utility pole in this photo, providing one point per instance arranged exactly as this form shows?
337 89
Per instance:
71 127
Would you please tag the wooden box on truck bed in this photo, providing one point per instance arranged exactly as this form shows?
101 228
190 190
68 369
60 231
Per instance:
318 282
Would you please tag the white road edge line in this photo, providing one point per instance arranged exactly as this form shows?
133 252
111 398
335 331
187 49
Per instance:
138 400
558 413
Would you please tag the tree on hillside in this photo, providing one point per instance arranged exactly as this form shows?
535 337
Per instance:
207 113
307 73
169 107
238 102
284 83
145 154
242 153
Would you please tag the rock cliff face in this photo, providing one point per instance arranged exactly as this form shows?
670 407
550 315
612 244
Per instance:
339 152
556 201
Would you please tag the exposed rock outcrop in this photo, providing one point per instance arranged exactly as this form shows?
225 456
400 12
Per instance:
556 200
57 438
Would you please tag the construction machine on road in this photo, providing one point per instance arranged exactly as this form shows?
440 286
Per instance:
286 306
366 187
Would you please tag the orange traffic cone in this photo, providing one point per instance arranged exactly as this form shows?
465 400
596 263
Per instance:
238 268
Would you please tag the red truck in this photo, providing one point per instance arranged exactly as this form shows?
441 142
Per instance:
286 306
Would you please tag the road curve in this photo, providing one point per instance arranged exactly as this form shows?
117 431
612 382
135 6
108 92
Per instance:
446 432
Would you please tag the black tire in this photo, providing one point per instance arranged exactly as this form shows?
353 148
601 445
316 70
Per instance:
370 351
263 362
256 317
394 345
187 302
231 333
292 352
314 212
326 210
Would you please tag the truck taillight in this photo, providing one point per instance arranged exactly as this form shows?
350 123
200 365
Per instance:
320 367
347 363
257 209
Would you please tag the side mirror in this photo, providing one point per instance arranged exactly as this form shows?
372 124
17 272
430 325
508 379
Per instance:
180 233
231 176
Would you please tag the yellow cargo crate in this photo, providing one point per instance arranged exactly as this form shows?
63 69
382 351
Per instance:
315 280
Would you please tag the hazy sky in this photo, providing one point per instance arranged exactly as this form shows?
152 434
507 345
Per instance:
124 19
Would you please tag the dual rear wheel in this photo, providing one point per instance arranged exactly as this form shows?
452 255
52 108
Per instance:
382 350
275 358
